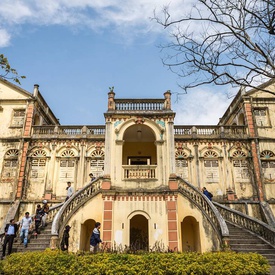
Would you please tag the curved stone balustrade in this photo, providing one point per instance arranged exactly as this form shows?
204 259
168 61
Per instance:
256 226
52 211
207 208
73 204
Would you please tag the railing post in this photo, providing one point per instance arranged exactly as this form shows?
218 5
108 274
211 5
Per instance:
54 243
173 183
194 132
225 243
106 183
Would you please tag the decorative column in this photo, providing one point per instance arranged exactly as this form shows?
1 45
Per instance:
107 221
254 147
26 134
171 205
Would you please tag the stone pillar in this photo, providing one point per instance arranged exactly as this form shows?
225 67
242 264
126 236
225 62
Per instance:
254 147
54 243
171 147
107 221
107 158
171 206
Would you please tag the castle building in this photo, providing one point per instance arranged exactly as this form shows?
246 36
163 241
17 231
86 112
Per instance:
148 172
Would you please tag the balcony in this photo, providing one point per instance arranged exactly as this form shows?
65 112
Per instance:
139 171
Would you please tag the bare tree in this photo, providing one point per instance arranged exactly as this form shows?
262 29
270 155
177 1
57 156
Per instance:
222 42
7 72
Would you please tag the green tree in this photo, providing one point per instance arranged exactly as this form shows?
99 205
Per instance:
7 72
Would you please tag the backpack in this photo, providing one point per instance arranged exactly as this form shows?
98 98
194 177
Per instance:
210 195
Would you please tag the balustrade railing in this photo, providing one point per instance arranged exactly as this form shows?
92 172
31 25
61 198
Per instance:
68 130
73 204
139 171
139 104
207 207
254 225
211 131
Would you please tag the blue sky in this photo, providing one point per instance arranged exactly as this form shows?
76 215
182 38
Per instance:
75 50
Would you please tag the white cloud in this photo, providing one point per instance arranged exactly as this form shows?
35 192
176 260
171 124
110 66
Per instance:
201 107
4 38
124 17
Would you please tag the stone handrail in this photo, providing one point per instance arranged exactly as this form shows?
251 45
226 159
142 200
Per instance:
206 206
139 104
78 130
73 204
253 225
139 171
202 131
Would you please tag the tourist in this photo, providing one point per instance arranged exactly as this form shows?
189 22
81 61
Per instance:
70 190
65 239
207 193
25 226
45 209
10 233
95 238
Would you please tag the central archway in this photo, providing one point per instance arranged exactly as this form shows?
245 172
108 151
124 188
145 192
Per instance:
139 236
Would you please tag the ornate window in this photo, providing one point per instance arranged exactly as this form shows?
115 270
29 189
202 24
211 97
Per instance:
268 164
10 165
261 117
97 163
67 166
181 164
240 167
18 118
211 167
38 164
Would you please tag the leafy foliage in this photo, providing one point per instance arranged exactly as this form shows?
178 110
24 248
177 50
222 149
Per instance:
63 263
7 71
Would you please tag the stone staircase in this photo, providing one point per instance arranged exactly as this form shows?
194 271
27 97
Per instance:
242 240
34 244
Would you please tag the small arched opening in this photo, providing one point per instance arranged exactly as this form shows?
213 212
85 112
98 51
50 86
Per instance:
85 234
190 235
139 156
139 236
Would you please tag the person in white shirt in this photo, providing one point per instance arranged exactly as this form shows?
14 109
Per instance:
70 190
25 226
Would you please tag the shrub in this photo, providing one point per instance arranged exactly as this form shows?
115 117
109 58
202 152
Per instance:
57 262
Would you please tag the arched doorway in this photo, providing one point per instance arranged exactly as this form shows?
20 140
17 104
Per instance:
139 146
190 235
85 234
139 237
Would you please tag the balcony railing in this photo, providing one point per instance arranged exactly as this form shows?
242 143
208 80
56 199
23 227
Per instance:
139 104
211 131
68 130
139 171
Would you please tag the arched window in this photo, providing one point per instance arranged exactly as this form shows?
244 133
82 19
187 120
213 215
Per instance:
268 164
38 164
10 165
240 166
211 166
67 166
97 163
181 164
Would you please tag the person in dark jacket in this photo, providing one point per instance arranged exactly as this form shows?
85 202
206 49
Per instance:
65 239
95 238
207 193
37 219
10 233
